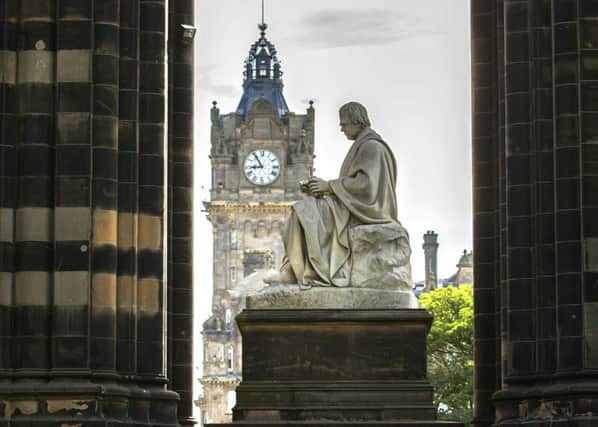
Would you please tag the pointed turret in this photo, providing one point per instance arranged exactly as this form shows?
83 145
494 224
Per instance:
262 77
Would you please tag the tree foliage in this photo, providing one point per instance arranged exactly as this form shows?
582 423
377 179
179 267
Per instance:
450 350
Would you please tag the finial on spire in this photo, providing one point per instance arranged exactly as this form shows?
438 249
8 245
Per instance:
263 26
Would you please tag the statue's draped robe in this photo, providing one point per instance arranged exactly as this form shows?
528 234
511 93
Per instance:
316 235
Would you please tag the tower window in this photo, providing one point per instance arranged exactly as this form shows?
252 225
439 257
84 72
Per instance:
263 72
255 259
233 274
229 360
227 317
233 239
261 230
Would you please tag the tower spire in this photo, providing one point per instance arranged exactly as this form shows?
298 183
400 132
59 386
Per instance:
262 73
263 26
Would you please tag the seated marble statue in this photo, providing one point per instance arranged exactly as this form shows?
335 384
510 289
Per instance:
318 231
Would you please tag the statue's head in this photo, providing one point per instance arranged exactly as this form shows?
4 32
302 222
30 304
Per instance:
353 119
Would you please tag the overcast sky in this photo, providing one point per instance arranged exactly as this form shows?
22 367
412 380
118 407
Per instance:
406 61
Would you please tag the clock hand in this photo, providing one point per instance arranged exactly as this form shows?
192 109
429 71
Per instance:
258 160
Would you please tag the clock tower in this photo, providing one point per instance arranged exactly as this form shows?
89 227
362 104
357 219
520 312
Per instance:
259 153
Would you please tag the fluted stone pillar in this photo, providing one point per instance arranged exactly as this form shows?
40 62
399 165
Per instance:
535 139
84 232
488 174
180 205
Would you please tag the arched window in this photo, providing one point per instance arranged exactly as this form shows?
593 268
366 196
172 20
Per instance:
261 230
227 317
231 400
233 239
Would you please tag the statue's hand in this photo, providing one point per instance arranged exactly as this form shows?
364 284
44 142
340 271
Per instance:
304 187
318 187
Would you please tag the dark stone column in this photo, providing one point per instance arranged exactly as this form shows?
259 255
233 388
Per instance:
150 241
104 185
534 140
486 130
8 172
32 167
128 187
83 163
180 206
72 322
588 102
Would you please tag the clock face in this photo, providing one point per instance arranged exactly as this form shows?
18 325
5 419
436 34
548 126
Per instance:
262 167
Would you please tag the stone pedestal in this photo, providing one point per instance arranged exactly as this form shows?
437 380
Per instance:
350 366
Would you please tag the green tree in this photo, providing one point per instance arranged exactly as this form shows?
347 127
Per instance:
450 350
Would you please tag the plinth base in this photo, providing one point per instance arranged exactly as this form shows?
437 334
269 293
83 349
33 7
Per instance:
292 297
347 366
70 402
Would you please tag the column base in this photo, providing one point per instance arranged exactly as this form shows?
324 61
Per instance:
566 404
86 403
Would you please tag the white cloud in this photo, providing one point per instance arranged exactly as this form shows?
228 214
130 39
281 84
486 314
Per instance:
331 28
